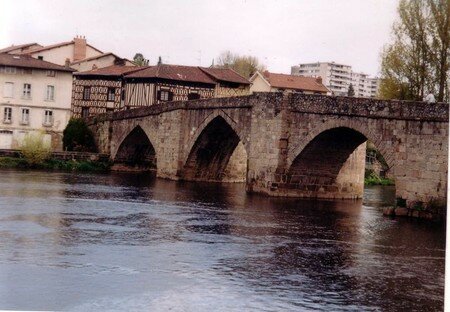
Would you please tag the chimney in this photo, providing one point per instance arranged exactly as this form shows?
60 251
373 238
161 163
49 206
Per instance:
67 63
79 49
319 80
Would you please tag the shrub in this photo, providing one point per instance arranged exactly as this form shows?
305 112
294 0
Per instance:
78 137
34 149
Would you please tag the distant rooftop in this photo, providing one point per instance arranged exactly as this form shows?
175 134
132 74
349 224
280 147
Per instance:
26 61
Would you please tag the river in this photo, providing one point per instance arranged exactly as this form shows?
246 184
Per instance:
132 242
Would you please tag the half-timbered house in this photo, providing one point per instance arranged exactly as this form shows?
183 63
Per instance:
99 91
116 88
161 83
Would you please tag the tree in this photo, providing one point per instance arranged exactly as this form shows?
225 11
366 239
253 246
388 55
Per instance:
140 60
417 62
351 91
78 137
35 149
245 65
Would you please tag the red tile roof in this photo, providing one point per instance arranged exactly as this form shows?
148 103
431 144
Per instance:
26 61
225 74
174 72
19 46
113 71
294 82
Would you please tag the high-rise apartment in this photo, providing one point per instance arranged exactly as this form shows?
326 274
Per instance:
338 77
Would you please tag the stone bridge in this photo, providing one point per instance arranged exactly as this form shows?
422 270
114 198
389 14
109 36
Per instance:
286 145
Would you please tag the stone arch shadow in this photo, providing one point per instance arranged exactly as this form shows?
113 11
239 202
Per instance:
135 150
329 161
216 152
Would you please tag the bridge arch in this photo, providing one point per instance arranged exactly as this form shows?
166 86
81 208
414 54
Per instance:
136 149
216 152
362 128
329 162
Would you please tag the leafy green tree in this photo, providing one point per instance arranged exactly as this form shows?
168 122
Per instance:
416 62
78 137
140 60
351 90
245 65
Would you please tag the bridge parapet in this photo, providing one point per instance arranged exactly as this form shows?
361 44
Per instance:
370 108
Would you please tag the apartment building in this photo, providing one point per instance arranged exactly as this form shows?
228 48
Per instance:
364 86
34 96
338 77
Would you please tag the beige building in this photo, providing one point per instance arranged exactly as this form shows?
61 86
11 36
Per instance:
271 82
338 77
78 53
34 96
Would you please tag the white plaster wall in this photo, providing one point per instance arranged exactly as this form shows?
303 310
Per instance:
60 54
100 63
259 85
37 104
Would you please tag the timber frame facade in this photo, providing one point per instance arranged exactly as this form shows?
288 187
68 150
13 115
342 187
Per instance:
116 88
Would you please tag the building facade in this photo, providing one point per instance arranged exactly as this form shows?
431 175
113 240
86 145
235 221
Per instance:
338 77
35 97
123 87
99 91
78 53
271 82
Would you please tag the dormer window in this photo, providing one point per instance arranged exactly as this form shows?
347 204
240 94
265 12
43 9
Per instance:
51 73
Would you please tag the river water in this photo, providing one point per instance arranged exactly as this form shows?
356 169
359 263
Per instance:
130 242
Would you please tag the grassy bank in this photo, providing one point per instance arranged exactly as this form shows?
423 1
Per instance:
372 178
55 164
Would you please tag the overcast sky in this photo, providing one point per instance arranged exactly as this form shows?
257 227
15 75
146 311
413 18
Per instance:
279 33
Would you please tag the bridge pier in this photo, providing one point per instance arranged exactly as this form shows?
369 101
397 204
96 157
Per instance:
295 145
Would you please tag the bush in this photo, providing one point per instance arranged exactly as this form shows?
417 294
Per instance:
78 137
34 149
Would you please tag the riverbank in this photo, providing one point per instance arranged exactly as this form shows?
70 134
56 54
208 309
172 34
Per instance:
56 164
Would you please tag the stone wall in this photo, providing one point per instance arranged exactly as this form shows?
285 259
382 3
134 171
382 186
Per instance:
296 145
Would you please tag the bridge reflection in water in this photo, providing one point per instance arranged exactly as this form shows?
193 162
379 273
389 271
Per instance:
131 241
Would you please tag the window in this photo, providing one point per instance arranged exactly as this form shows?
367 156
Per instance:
7 115
165 95
48 117
51 73
50 93
25 116
111 94
10 70
8 90
40 57
85 112
26 91
87 93
193 96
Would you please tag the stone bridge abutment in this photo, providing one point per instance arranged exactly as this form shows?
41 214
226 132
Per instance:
286 145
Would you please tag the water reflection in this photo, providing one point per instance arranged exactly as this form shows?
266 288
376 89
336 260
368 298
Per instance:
134 242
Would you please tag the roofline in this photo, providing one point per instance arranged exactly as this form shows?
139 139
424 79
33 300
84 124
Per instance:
94 58
262 76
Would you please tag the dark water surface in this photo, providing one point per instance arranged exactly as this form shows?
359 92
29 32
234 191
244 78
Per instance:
131 242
